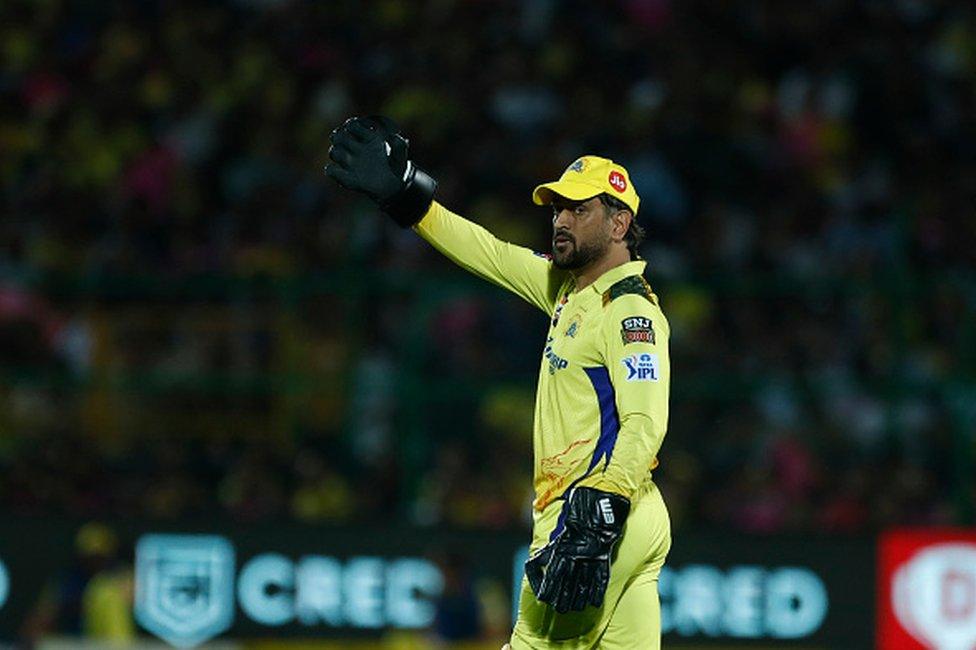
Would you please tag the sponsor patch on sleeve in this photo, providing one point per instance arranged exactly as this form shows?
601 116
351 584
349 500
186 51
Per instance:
545 256
637 329
641 367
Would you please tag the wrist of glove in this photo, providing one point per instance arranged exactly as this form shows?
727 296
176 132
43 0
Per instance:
411 201
368 155
573 570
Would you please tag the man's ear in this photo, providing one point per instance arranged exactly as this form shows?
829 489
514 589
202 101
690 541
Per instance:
621 221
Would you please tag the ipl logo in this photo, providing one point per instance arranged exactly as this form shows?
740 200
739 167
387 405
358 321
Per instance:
934 596
641 367
184 587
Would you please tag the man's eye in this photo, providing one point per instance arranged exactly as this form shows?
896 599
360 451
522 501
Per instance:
578 210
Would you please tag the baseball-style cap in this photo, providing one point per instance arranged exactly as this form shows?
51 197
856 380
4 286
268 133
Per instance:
587 177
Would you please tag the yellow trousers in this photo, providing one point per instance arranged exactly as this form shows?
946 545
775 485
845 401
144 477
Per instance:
630 618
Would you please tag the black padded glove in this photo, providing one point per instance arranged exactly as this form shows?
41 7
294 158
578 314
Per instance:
573 570
370 156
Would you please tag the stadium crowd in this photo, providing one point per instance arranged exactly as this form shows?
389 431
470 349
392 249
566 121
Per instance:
193 321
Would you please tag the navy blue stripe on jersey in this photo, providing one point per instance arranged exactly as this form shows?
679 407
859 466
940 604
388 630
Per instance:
561 521
609 420
609 428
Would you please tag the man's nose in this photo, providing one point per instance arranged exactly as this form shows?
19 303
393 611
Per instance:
562 218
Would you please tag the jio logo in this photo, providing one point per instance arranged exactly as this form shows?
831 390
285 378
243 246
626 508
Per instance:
617 181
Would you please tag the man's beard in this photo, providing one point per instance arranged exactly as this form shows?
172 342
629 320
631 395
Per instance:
576 256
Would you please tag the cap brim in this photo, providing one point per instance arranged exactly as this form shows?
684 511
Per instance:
543 194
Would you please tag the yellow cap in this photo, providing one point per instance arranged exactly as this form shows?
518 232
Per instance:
587 177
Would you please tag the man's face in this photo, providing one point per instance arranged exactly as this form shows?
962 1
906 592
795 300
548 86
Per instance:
580 232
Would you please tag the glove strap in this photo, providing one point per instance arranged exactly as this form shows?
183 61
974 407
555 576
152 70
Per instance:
603 513
410 204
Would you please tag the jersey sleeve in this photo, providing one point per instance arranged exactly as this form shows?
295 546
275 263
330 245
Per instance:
523 272
635 349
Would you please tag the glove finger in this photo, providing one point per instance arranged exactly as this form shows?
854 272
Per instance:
359 130
534 568
387 125
340 175
598 588
533 572
342 136
341 154
397 145
567 588
398 154
553 580
584 583
547 591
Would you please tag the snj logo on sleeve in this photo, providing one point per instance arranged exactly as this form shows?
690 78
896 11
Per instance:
641 367
636 329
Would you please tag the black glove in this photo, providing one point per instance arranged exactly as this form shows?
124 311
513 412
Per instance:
573 570
369 155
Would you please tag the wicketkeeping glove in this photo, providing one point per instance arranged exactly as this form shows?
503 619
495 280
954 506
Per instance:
573 570
370 156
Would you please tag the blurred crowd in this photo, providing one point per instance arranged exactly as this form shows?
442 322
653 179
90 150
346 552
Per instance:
194 321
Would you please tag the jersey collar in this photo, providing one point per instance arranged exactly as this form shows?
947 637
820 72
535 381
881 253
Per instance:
617 273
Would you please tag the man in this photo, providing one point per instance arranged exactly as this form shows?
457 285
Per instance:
600 528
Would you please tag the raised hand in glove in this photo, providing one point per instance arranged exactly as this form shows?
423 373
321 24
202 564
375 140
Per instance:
573 570
370 156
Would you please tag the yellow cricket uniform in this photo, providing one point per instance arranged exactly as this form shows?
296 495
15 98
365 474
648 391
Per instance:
600 415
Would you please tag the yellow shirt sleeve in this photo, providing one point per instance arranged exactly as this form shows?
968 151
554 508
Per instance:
635 334
523 272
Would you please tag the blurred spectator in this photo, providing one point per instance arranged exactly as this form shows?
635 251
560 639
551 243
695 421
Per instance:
458 612
193 321
92 598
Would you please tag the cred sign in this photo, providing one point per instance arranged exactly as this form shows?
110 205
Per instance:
928 590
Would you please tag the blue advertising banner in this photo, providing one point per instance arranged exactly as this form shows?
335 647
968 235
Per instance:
192 583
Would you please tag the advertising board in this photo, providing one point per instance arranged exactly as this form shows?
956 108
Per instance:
197 582
927 590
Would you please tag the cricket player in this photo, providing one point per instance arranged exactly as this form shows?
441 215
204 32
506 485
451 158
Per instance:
600 528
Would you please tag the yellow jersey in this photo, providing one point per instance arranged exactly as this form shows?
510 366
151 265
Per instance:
601 408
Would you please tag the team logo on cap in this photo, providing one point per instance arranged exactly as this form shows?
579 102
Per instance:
617 181
577 166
